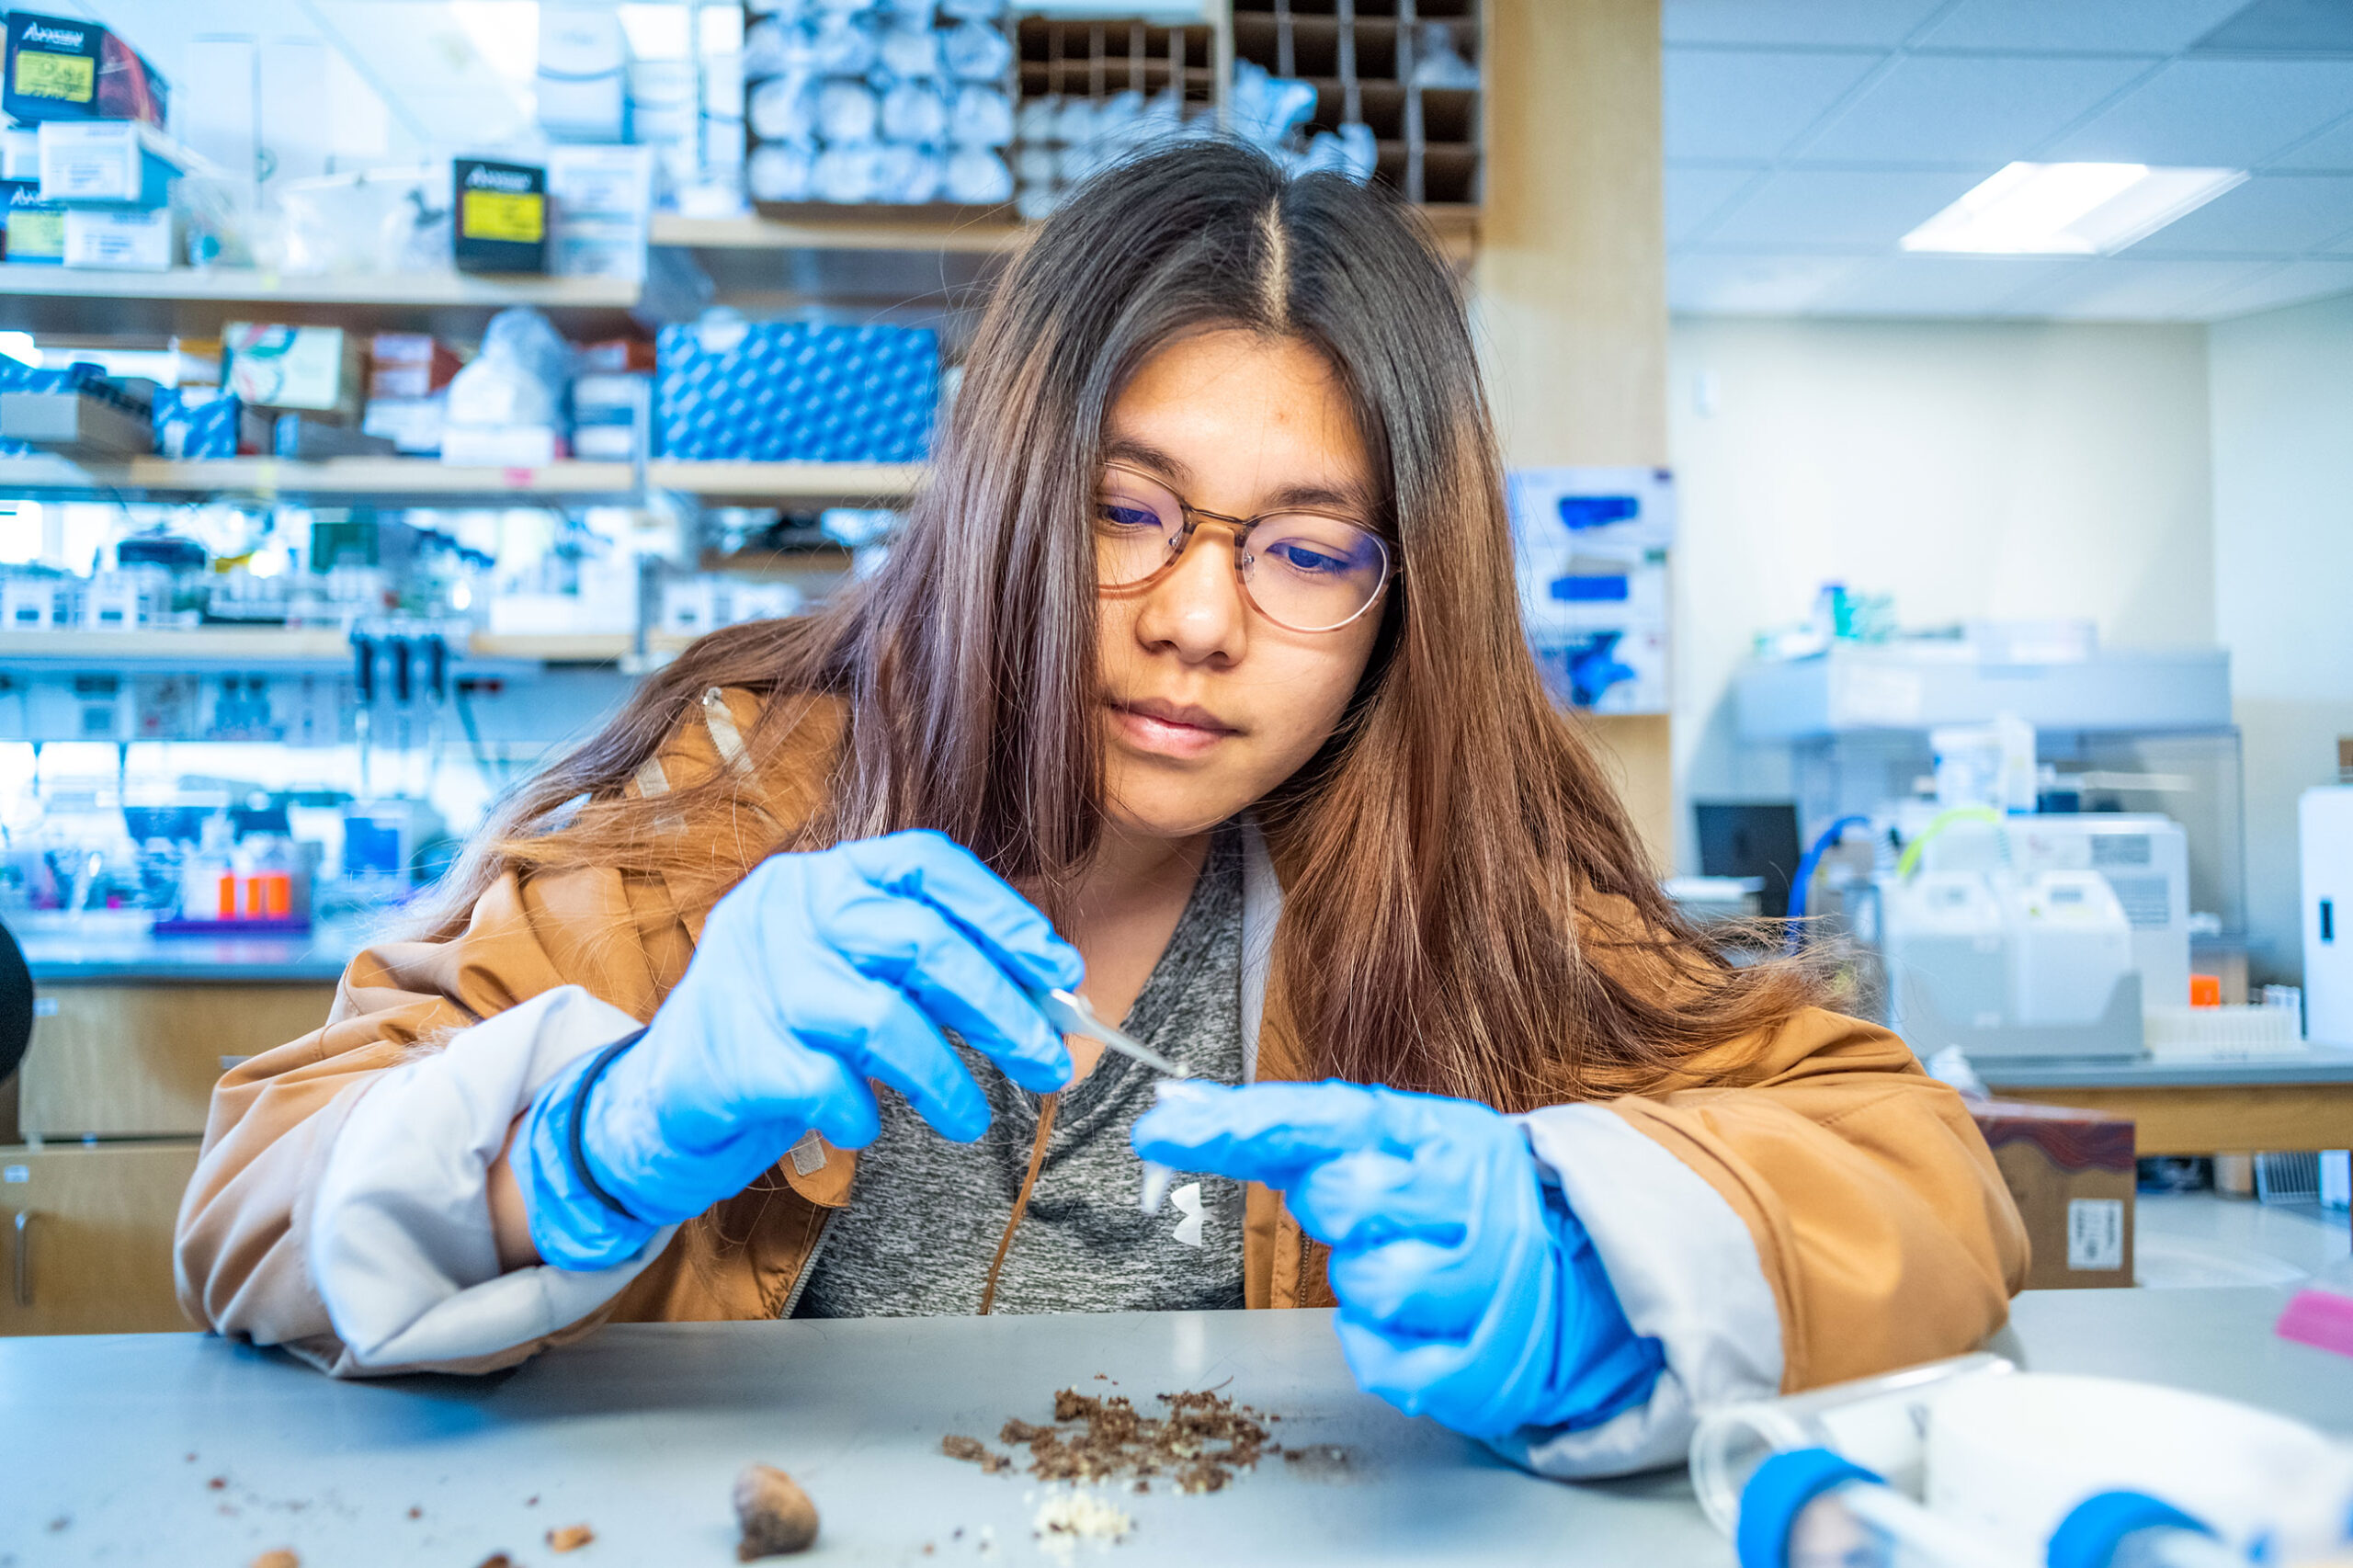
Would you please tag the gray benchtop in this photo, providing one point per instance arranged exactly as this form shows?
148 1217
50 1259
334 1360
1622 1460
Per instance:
639 1432
2325 1064
116 945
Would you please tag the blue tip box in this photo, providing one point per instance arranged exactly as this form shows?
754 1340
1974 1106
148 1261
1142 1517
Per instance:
795 391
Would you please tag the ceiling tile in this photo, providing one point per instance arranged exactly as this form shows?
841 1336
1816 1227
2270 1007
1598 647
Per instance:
1884 23
1693 195
1751 103
2229 113
2125 287
2332 149
1966 108
1945 285
1867 208
2269 215
1731 284
2290 285
2140 26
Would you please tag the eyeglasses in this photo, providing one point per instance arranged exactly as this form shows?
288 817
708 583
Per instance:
1305 570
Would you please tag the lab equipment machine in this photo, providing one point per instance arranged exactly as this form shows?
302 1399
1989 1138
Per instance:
2030 847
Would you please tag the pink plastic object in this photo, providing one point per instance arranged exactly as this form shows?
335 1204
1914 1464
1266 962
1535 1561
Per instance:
2320 1318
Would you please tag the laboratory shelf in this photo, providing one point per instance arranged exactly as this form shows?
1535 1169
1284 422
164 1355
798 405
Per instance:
1912 686
982 232
181 646
102 304
237 647
423 482
985 231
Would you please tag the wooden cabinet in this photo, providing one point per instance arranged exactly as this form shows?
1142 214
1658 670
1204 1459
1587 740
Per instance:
86 1237
140 1060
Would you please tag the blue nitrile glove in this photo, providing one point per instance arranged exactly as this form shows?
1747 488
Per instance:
1468 1291
815 973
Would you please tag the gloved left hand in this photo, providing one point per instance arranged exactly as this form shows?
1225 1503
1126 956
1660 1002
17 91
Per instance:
1468 1289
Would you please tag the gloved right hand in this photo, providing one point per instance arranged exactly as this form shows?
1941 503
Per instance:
815 973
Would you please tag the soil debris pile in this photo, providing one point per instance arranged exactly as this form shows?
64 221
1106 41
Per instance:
1199 1443
972 1450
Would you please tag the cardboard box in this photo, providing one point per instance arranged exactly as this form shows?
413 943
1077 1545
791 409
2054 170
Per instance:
502 216
203 423
65 68
2071 1173
20 153
123 239
313 368
412 425
113 162
405 366
35 229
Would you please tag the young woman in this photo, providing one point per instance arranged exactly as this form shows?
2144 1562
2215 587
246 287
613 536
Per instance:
1200 648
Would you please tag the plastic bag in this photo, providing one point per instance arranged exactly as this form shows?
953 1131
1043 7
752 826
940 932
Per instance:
848 113
978 177
980 116
518 378
783 108
1267 108
910 49
1351 152
978 53
780 171
914 112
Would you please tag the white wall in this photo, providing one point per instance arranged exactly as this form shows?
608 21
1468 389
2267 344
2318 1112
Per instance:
1973 469
2282 387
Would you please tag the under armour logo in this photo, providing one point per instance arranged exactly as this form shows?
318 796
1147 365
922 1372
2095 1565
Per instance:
1188 1200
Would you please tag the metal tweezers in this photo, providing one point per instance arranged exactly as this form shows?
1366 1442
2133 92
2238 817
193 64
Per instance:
1073 1014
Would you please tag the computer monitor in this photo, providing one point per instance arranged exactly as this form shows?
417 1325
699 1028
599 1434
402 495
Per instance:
1751 838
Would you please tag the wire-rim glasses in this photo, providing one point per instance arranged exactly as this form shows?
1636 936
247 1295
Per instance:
1304 570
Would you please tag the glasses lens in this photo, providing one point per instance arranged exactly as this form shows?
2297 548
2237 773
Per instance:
1136 523
1312 573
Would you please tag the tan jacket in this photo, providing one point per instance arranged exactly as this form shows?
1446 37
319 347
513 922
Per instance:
1876 1214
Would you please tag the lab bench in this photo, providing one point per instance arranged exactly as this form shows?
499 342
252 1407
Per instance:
186 1449
2198 1107
99 1126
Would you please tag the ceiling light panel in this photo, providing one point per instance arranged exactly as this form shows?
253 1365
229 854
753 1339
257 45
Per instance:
2068 209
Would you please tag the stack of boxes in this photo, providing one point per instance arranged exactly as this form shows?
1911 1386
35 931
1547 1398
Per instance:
86 168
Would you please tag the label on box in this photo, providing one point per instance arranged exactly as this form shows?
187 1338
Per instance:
35 232
2096 1234
71 77
125 240
518 218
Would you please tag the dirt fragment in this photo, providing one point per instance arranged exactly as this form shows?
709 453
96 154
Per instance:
59 1523
415 1512
218 1483
497 1559
955 1445
776 1517
281 1558
569 1537
1201 1441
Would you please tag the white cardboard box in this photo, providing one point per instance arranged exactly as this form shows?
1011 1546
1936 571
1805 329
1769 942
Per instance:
123 239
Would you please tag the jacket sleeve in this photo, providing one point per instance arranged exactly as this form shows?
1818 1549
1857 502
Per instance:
1817 1208
339 1206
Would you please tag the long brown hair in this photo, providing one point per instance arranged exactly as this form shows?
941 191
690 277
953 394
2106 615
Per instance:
1467 909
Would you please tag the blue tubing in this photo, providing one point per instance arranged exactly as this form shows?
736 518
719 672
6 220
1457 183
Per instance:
1803 880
